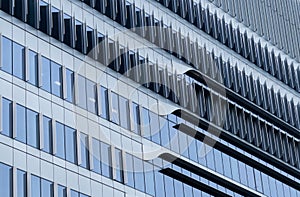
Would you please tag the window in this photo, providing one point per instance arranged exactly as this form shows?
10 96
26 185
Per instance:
18 61
81 92
5 180
47 188
56 79
6 55
33 68
119 165
91 96
124 112
68 36
159 183
105 159
46 82
145 123
136 118
149 178
115 108
21 183
96 156
60 141
44 17
32 128
32 13
84 151
71 155
61 191
35 186
104 102
6 117
21 123
70 85
154 127
47 128
138 174
56 28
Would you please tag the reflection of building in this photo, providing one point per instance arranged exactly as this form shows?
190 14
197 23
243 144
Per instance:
115 98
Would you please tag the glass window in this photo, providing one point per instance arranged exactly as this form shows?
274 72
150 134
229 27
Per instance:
47 188
18 61
83 195
60 140
114 108
33 68
32 128
6 55
5 180
70 85
149 178
139 174
46 78
61 191
21 123
47 128
146 123
159 184
164 133
129 170
104 102
91 96
234 167
6 117
71 155
84 151
170 185
119 165
74 193
56 79
96 156
124 112
179 188
136 118
81 92
105 159
154 127
21 183
35 186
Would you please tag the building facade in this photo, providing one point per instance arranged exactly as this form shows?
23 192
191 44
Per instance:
167 98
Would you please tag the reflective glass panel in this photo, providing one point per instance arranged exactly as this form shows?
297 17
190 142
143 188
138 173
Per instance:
105 159
96 156
46 74
35 186
32 128
60 141
56 79
74 193
70 85
124 112
47 128
81 92
129 170
71 155
6 55
139 174
136 118
115 108
6 117
84 151
18 61
119 165
21 123
104 102
91 96
33 68
21 183
62 191
5 180
47 188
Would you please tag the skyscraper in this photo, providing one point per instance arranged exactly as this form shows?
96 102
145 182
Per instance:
167 98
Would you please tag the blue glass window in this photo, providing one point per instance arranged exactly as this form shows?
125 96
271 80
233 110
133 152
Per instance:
60 141
169 135
84 150
6 55
154 127
5 180
74 193
159 184
179 188
170 186
81 92
33 68
149 178
124 112
145 126
139 174
91 96
129 170
105 159
35 186
47 188
61 191
218 161
6 117
18 61
115 108
21 123
70 85
193 150
226 165
47 128
21 183
32 128
136 118
96 155
56 79
46 74
71 155
104 102
119 165
235 171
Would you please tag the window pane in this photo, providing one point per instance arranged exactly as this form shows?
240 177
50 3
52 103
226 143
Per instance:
83 195
47 188
104 103
149 178
18 61
6 55
56 79
21 124
62 191
32 128
35 186
74 193
105 159
115 108
96 155
91 96
138 174
119 165
70 85
71 155
136 118
21 183
81 92
47 128
6 117
84 151
46 82
60 141
33 68
5 180
124 112
129 170
146 123
154 127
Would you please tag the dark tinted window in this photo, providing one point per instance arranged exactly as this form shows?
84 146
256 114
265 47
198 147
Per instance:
6 55
136 118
